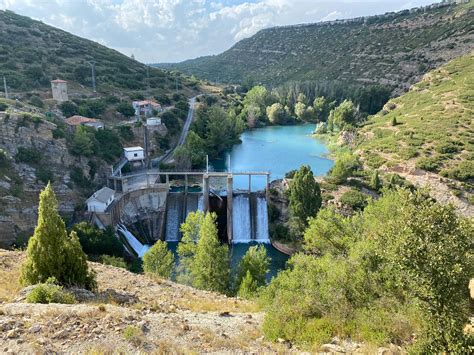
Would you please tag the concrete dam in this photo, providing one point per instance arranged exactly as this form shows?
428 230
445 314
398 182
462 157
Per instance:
249 215
148 207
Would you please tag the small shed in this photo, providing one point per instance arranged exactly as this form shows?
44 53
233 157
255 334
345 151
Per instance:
153 121
100 200
59 88
134 153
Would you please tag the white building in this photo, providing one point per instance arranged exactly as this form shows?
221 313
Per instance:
59 88
153 121
100 200
134 153
145 107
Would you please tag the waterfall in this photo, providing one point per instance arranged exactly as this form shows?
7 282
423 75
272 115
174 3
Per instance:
134 243
200 203
262 235
241 222
192 203
174 213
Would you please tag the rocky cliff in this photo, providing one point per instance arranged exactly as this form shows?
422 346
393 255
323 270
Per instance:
32 156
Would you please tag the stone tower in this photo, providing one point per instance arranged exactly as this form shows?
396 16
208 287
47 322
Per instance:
59 88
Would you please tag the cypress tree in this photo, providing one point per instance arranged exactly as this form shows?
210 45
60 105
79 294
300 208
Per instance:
51 253
211 264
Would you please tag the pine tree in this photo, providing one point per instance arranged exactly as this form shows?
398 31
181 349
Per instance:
305 199
187 247
159 260
51 253
211 264
256 262
248 286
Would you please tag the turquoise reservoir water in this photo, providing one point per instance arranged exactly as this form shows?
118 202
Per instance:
277 149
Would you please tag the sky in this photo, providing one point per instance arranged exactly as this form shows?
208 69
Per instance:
175 30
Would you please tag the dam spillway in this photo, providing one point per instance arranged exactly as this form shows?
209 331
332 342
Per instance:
178 206
250 219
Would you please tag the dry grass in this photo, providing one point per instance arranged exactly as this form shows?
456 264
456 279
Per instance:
9 275
199 304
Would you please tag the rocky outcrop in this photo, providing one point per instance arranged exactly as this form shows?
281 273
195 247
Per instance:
20 183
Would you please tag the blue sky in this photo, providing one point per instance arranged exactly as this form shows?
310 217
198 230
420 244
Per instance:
175 30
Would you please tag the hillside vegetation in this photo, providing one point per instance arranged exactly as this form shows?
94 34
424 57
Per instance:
32 54
431 126
395 49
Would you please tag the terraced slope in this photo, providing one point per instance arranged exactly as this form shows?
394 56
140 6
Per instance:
393 49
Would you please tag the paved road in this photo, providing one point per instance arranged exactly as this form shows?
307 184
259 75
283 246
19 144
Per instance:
168 156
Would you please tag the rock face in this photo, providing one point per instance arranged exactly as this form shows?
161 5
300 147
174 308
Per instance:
20 183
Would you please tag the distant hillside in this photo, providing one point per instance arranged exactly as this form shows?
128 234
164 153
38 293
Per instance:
32 54
394 49
427 134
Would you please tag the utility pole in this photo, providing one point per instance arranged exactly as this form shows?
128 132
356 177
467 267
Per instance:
93 63
5 87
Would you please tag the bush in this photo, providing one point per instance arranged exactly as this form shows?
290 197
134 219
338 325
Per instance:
428 164
97 242
126 109
68 108
3 106
354 199
44 174
346 164
49 293
28 155
36 101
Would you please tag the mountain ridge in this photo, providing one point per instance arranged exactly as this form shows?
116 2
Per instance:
415 42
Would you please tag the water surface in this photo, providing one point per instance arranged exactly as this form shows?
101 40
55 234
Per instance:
277 149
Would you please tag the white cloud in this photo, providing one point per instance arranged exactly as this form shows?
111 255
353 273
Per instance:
173 30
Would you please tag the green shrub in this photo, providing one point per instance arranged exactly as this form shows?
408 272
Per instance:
354 199
36 101
448 148
133 334
345 165
462 172
428 164
49 293
28 155
44 174
4 160
98 242
3 106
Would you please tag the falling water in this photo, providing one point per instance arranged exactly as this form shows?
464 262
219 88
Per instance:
134 243
241 221
261 235
174 212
